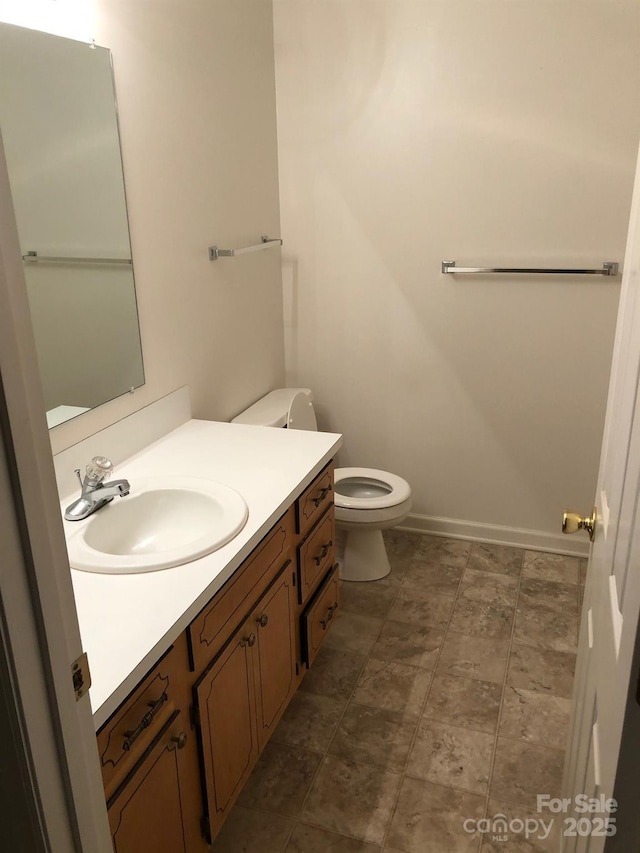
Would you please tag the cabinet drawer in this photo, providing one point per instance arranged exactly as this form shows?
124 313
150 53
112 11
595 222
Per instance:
128 733
319 615
211 628
314 500
315 555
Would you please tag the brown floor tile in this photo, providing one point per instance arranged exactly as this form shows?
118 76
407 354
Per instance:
439 579
310 721
543 836
438 551
392 686
473 657
464 702
429 819
551 567
421 607
280 780
354 632
535 717
353 799
487 586
411 644
482 619
334 673
400 546
368 598
521 771
374 736
498 559
555 596
545 628
310 839
246 831
541 670
452 756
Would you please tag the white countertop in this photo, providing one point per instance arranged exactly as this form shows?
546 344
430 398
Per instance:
128 621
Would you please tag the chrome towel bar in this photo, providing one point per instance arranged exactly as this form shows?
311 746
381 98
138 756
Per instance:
608 268
35 258
266 243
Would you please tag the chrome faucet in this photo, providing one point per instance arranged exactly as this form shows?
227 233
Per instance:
94 494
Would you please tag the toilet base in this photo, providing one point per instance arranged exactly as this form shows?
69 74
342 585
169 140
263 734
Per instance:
362 555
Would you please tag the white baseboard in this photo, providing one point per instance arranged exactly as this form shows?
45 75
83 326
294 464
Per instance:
534 540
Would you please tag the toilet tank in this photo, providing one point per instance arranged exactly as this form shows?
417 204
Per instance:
284 407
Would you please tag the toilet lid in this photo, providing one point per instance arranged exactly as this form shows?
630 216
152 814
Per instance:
369 488
301 414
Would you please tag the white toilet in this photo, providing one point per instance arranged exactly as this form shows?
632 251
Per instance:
367 501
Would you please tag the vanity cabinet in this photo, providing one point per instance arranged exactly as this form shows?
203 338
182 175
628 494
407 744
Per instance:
178 751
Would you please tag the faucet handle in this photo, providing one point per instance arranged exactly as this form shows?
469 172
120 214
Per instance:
99 469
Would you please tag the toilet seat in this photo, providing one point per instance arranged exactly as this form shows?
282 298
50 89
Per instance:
369 489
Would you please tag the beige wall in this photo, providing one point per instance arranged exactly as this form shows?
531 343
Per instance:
196 102
492 133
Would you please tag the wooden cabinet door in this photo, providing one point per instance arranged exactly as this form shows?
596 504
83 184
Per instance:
276 681
226 708
153 810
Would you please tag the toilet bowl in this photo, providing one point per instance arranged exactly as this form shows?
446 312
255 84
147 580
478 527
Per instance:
367 500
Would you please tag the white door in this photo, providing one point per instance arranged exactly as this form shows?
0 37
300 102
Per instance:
612 595
39 624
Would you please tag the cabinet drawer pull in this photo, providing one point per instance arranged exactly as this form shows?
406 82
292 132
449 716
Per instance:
331 613
180 741
144 723
323 493
248 641
323 553
263 620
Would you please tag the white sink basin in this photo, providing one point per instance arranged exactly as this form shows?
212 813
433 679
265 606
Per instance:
163 522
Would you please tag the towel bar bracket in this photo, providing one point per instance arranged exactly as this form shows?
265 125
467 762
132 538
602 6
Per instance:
265 243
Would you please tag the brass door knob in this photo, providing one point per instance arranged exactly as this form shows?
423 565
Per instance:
263 620
572 522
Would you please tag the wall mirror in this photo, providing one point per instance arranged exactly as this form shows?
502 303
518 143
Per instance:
59 126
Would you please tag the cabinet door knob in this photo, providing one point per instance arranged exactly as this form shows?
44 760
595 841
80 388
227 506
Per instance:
248 641
180 740
263 620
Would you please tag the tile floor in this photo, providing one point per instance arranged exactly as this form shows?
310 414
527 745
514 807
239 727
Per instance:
442 693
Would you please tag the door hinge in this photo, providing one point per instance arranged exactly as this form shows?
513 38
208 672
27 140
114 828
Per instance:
81 675
194 714
205 827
